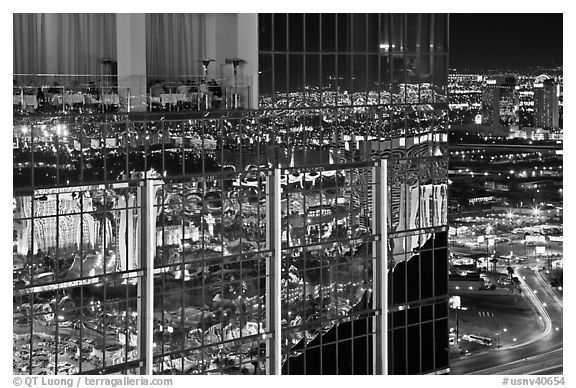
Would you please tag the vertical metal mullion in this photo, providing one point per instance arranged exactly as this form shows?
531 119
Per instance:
31 269
203 260
273 274
163 153
304 260
380 286
30 256
182 283
104 325
336 74
126 321
268 270
56 278
375 276
147 230
384 259
277 272
320 180
432 54
32 163
104 131
127 152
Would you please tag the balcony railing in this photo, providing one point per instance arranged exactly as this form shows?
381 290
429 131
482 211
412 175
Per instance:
81 94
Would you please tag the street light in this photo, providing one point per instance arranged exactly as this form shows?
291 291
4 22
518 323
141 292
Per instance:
510 215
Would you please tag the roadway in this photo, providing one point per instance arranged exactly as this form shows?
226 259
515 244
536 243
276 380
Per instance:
542 354
526 147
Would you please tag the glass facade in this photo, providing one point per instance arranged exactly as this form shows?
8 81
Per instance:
376 84
254 241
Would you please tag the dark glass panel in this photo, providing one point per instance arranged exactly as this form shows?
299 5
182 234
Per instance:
414 349
359 32
427 346
312 39
296 32
344 32
328 32
441 343
399 352
279 40
265 32
372 36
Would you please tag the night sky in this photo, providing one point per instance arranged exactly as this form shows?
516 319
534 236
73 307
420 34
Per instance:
496 41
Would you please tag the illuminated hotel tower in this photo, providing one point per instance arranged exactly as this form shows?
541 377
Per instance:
546 106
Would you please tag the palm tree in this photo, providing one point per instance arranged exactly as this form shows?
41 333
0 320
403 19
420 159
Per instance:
494 261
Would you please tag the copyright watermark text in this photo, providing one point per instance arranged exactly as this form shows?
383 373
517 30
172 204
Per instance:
89 381
531 381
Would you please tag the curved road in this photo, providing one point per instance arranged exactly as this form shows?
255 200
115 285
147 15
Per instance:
540 355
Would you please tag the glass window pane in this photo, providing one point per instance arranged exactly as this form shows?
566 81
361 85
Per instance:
312 40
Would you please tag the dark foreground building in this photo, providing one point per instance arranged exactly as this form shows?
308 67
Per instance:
285 212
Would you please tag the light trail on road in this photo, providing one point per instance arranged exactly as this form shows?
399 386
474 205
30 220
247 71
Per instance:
542 354
514 367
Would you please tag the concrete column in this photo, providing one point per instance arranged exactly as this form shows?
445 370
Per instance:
226 43
209 46
131 56
248 50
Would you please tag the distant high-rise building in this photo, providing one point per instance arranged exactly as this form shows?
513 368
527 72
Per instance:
546 104
500 101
